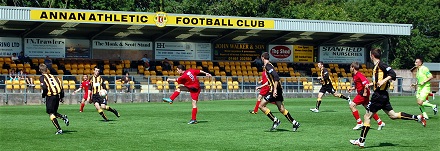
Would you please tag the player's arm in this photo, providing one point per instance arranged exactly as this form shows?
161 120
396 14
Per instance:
79 89
275 76
264 84
43 87
206 73
103 84
391 75
172 80
428 74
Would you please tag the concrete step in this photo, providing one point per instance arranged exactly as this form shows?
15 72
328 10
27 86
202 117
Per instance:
148 88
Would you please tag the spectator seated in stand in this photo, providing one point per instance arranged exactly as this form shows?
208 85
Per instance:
126 82
166 65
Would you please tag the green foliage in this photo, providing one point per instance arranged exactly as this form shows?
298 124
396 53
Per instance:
223 125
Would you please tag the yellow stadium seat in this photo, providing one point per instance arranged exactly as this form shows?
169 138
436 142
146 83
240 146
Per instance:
235 84
72 85
159 85
118 85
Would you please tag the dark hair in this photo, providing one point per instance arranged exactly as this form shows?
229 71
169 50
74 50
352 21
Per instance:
355 65
376 52
321 62
265 55
421 60
181 67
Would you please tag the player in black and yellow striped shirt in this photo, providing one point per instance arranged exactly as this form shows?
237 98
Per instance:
275 95
96 84
54 93
380 100
327 86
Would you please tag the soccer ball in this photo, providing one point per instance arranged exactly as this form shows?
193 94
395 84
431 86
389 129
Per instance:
102 93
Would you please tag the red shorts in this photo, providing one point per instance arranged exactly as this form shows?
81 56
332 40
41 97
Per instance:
364 100
86 95
194 92
264 90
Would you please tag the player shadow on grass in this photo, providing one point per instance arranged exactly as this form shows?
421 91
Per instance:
69 131
277 130
327 111
198 122
107 120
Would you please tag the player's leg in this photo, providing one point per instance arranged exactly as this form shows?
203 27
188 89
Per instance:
51 110
108 108
268 113
97 99
405 116
81 107
256 105
356 101
424 93
339 95
195 98
318 101
286 113
175 94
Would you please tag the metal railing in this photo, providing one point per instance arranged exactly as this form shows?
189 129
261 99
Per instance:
226 84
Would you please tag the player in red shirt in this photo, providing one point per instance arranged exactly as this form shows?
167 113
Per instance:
264 90
85 86
362 97
187 82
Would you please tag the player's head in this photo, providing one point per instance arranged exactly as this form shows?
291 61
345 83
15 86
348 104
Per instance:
85 77
96 71
180 69
43 68
354 67
320 64
418 62
375 54
265 56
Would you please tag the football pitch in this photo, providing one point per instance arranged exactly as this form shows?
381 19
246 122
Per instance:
223 125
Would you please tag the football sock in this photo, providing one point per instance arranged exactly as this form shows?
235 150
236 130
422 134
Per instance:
406 116
256 106
377 118
194 114
55 122
422 109
318 103
174 95
342 96
102 114
108 108
58 115
364 132
428 104
269 114
288 116
357 117
81 107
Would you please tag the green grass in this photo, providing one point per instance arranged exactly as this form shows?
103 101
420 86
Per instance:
223 125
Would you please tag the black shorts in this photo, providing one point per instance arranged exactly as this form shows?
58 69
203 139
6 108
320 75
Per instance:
269 97
99 99
327 88
52 103
380 100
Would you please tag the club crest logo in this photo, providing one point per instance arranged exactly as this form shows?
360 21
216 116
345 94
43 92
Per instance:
160 19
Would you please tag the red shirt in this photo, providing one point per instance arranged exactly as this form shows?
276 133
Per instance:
359 81
189 78
264 80
85 86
